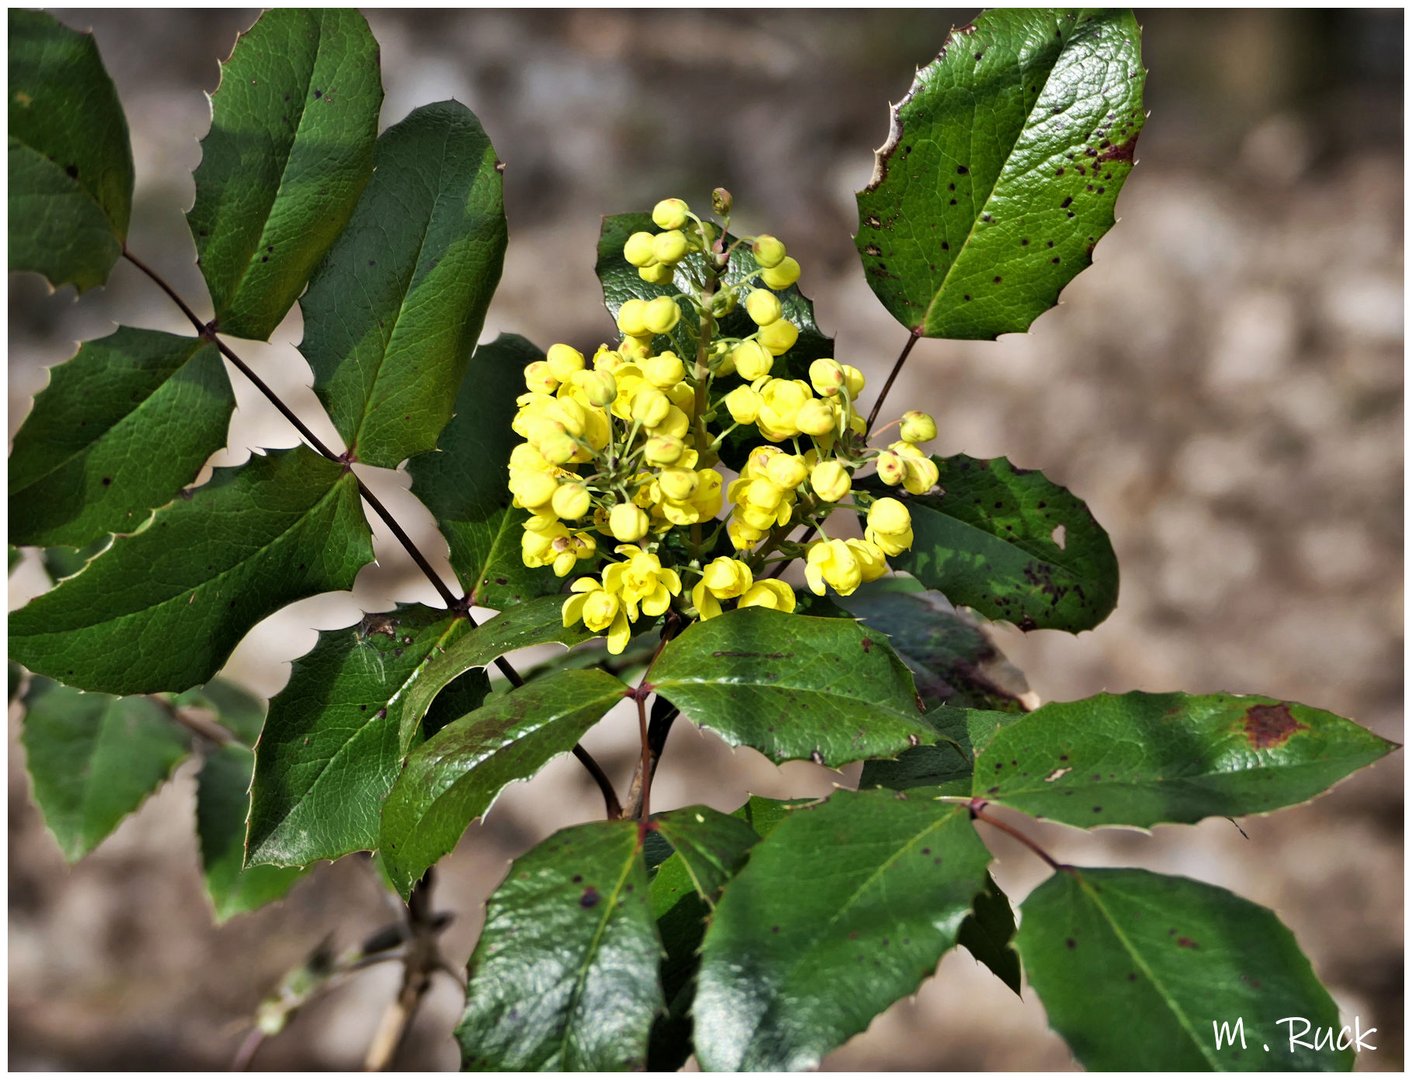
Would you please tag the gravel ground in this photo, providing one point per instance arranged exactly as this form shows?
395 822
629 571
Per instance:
1224 388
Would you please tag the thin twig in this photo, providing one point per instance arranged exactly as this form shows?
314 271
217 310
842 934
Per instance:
978 814
198 725
421 960
640 789
245 1053
891 378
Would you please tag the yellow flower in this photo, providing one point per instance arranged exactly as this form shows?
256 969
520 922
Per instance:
832 562
723 578
787 470
768 251
919 471
826 376
630 317
664 370
563 361
830 481
661 313
571 501
670 246
816 417
871 561
638 249
917 427
778 337
627 522
642 581
752 360
769 593
889 526
670 214
763 307
600 609
743 404
782 275
780 402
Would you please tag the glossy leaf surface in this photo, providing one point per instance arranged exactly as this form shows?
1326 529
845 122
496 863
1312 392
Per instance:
70 159
845 908
792 686
564 977
1001 169
453 778
944 763
463 481
93 759
162 609
394 310
290 147
1184 956
117 433
1140 759
711 846
1013 545
330 750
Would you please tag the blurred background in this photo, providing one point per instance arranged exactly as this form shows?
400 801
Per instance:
1224 387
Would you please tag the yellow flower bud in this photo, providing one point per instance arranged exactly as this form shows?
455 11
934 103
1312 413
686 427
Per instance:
742 536
892 470
635 348
871 561
743 404
657 273
563 361
628 522
571 501
769 594
782 275
670 214
762 493
763 307
787 471
921 473
599 387
826 376
917 427
752 361
650 406
558 449
539 378
830 481
677 484
854 380
630 317
670 246
778 337
676 424
768 252
638 249
727 578
532 489
525 456
664 370
606 359
661 315
662 450
889 526
832 562
816 417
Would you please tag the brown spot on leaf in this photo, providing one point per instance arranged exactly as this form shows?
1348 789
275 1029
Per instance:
1185 942
1270 725
589 898
1122 152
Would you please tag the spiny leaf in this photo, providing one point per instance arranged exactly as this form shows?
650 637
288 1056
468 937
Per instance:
454 777
70 159
290 147
845 908
463 481
162 609
564 976
330 750
1001 169
792 686
117 432
394 310
944 763
1140 759
1180 958
94 759
988 934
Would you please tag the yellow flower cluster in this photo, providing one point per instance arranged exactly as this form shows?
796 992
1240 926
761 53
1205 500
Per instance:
626 446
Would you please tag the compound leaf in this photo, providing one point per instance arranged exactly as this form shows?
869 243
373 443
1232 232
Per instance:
162 609
1140 759
564 977
845 908
1001 169
1184 956
792 686
453 778
293 124
94 758
70 158
331 750
394 310
463 481
117 432
1013 545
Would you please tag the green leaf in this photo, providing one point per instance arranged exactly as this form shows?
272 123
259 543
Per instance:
764 815
222 803
290 147
117 432
330 750
564 977
239 711
1001 169
944 763
534 623
93 759
454 777
63 562
711 846
161 610
394 310
792 686
463 482
1013 545
1140 759
951 657
988 934
1178 957
845 908
70 159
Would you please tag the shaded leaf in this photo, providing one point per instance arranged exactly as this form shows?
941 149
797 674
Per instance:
764 815
394 310
944 763
330 750
792 686
711 845
564 976
239 711
463 482
93 759
1001 169
988 934
1013 545
70 159
161 610
453 778
1183 956
844 909
293 123
117 432
534 623
1140 759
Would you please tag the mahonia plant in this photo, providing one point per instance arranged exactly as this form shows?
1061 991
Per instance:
644 507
